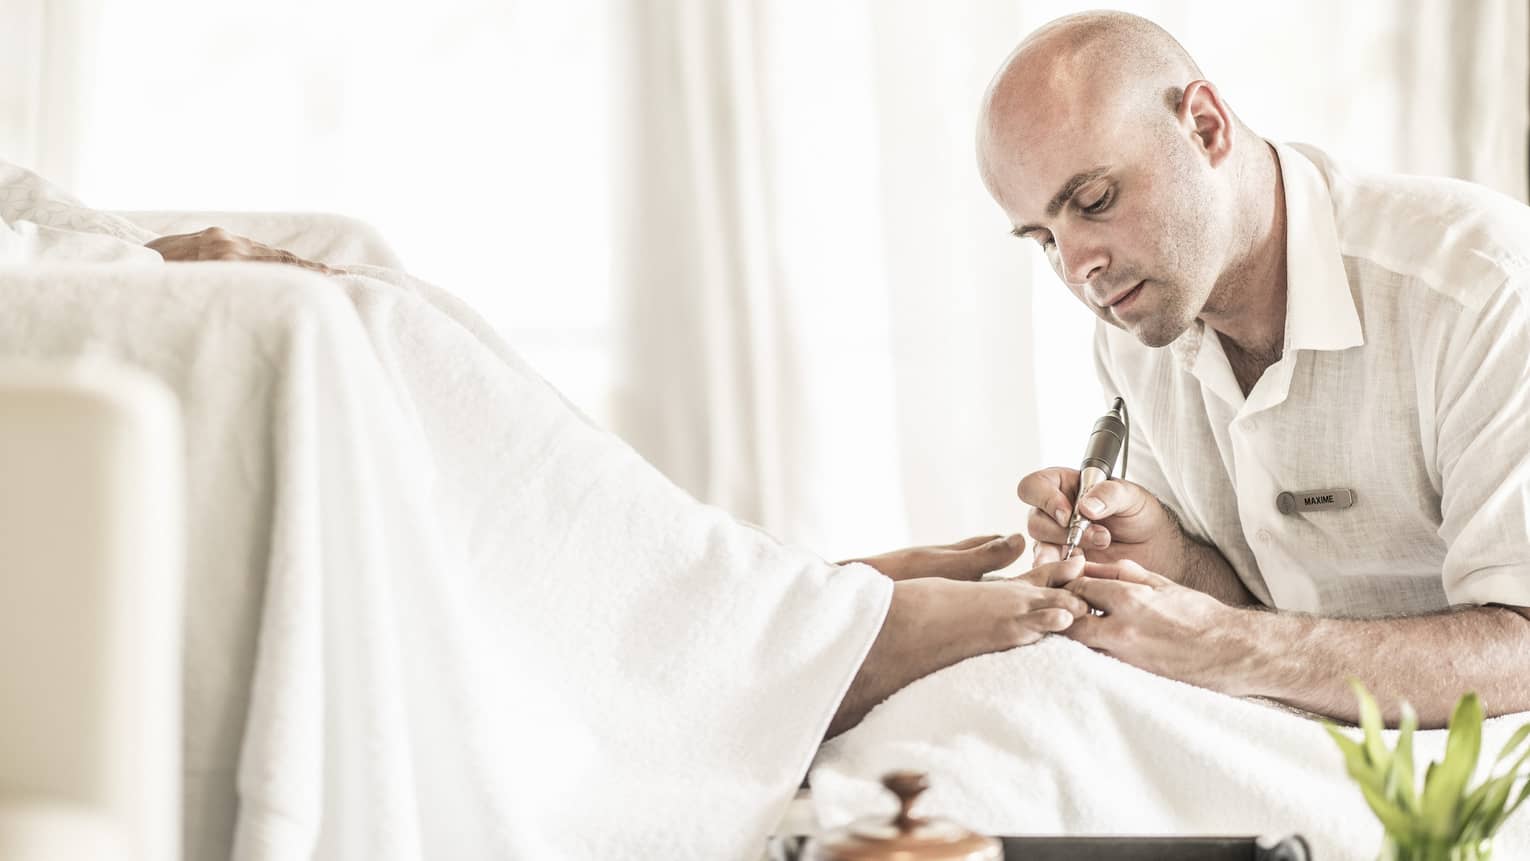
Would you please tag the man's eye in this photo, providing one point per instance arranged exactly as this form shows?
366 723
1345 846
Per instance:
1101 204
1046 244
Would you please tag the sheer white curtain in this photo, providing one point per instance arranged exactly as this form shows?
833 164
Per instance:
475 134
47 61
749 236
825 328
829 329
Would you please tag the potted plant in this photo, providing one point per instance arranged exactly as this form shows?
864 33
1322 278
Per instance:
1445 820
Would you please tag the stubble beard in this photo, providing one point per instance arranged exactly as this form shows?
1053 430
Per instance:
1170 321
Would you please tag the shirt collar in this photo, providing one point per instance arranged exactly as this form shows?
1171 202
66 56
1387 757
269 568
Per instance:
1320 309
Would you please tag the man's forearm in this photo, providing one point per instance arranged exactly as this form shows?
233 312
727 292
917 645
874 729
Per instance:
1206 570
1430 661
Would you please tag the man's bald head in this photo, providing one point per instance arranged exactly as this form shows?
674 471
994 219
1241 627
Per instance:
1110 65
1101 141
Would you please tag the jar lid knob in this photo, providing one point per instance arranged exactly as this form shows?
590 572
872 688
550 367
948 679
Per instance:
907 785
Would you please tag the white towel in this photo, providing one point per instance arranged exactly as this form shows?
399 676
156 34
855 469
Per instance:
488 629
1056 739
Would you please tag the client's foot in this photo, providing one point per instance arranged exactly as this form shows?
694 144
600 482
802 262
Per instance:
934 623
964 560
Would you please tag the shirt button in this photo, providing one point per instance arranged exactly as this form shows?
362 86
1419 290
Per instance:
1265 537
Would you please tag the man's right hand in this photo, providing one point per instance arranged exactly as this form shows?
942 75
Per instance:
1126 521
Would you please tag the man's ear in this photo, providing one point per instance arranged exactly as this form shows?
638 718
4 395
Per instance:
1201 108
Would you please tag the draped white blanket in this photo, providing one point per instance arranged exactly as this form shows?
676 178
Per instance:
432 611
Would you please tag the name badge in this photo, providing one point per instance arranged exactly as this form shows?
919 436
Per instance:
1314 500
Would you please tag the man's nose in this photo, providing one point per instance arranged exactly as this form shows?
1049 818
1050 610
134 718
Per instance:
1082 261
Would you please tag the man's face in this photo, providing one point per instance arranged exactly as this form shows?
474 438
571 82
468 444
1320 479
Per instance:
1125 210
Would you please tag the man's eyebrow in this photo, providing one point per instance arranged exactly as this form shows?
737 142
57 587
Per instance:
1070 188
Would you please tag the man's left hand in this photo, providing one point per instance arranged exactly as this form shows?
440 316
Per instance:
1155 624
964 560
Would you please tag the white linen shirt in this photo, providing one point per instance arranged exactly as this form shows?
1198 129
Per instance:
1403 380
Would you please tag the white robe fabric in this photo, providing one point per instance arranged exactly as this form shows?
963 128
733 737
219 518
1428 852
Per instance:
431 611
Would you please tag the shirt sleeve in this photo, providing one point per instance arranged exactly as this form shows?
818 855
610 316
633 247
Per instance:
1482 457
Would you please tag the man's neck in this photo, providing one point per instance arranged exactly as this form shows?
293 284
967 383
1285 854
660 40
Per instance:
1248 305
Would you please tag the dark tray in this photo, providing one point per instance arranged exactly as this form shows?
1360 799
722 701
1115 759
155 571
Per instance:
1114 849
1152 849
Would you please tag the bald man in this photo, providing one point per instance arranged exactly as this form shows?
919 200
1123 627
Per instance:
1328 376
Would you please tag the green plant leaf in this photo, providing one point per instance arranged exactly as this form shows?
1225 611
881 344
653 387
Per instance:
1397 823
1370 721
1355 760
1444 782
1445 814
1403 790
1492 810
1391 783
1482 810
1493 807
1470 833
1471 806
1514 741
1524 792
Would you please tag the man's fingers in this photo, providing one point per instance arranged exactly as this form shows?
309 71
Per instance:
1044 528
1103 570
1097 537
1107 595
1126 571
1051 490
1113 498
1092 631
1049 543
